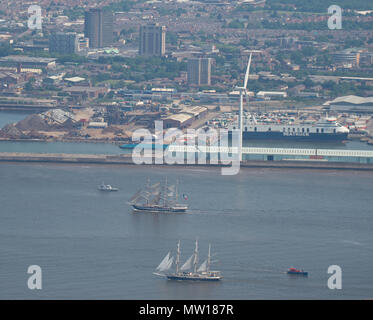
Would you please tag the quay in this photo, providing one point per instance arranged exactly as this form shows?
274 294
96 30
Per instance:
299 159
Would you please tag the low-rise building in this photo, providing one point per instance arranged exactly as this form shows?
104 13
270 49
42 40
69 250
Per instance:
271 94
350 104
180 120
83 93
97 125
8 79
24 62
196 112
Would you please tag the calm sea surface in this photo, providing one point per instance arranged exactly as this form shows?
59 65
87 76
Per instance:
7 117
262 221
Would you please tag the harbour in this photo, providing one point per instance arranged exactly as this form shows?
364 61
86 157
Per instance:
206 152
84 239
266 166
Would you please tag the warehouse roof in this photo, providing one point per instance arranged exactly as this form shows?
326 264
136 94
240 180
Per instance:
195 111
8 74
75 79
28 59
181 117
274 93
351 100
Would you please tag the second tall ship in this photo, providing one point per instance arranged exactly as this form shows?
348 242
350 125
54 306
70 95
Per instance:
158 198
189 271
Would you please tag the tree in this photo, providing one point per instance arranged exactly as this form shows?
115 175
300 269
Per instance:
235 24
171 38
29 85
308 83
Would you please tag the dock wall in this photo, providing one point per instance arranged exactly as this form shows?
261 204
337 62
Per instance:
127 160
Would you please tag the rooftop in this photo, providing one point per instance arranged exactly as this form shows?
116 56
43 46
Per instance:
182 117
350 99
27 59
75 79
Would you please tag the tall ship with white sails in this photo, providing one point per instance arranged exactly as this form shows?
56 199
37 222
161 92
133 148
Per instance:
158 198
189 271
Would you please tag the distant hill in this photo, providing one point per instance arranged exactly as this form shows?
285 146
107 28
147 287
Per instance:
322 5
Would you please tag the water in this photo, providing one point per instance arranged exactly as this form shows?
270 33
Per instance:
7 117
260 222
60 147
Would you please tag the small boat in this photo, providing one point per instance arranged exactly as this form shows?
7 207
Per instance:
107 187
294 271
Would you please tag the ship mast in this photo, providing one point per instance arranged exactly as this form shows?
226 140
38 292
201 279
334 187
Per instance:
165 193
209 259
196 257
147 188
176 191
177 257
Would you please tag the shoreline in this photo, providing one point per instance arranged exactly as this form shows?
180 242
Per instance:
65 140
126 159
123 142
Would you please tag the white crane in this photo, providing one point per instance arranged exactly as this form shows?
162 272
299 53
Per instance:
243 90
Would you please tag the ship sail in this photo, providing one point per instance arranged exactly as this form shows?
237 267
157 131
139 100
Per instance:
188 264
155 186
135 196
156 199
169 264
203 267
171 191
164 263
153 192
147 195
195 260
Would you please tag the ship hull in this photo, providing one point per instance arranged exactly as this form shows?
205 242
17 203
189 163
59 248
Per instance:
280 136
159 209
186 278
143 145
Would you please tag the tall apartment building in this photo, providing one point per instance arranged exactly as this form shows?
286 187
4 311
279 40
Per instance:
63 43
98 27
199 71
152 40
